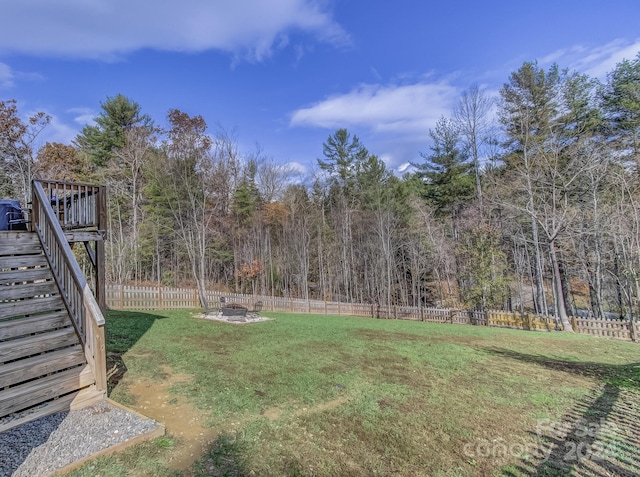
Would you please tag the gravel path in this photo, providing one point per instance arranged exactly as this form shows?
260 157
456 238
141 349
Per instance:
40 447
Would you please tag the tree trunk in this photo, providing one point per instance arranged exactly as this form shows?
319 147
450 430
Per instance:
540 300
561 311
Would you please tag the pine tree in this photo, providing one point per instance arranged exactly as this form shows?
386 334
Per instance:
447 172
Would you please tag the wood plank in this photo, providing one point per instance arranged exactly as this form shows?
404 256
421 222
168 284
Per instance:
31 306
32 393
36 344
83 236
22 291
87 397
25 275
20 249
57 405
14 237
34 367
10 329
23 261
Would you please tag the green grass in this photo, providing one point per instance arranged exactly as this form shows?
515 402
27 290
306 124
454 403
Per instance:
357 396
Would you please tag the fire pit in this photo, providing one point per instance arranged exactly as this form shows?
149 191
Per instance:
233 309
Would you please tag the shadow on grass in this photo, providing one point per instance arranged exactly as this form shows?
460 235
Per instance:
228 457
599 436
123 330
225 458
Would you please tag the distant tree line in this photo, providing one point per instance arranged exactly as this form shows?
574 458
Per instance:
527 200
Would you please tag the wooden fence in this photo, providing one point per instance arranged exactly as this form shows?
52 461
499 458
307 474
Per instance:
123 297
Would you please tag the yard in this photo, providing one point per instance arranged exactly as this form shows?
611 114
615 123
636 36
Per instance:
339 396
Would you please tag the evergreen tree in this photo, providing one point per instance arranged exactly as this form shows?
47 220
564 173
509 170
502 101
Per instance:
447 172
621 103
118 114
344 156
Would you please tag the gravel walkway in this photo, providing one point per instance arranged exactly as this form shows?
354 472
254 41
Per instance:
41 447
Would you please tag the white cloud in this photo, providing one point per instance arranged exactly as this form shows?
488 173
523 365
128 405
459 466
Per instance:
396 109
596 61
393 121
6 76
297 168
106 29
404 167
83 116
57 131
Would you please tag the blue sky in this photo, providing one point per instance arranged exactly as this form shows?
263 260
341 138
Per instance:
283 75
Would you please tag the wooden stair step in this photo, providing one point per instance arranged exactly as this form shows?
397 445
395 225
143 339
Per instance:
20 249
36 344
19 243
10 329
23 261
12 277
21 291
31 306
26 369
32 393
76 400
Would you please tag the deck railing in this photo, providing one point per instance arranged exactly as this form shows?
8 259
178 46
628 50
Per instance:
80 302
74 205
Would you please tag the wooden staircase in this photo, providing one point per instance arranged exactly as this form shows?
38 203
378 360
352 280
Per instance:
49 361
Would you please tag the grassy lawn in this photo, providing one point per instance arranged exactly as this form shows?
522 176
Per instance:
340 396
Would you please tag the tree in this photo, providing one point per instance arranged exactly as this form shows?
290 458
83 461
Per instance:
482 267
621 103
527 108
472 119
61 162
446 172
272 179
344 156
549 122
16 150
119 114
180 177
124 175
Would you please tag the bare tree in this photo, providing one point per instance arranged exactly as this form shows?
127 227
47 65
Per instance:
472 116
17 141
186 182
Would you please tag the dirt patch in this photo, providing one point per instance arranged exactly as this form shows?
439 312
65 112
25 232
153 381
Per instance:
181 419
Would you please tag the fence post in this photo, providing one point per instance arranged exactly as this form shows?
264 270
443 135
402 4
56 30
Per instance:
451 314
121 296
